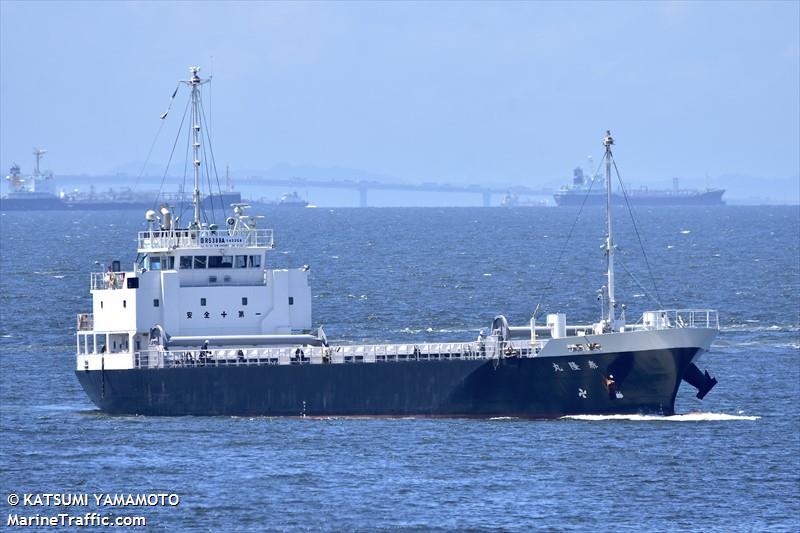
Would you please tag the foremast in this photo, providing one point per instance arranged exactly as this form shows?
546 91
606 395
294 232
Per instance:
195 82
608 142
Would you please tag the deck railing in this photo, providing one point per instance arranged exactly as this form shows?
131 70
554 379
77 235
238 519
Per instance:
679 318
376 353
215 278
204 238
108 280
85 322
490 348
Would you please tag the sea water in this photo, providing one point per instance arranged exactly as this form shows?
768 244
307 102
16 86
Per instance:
728 463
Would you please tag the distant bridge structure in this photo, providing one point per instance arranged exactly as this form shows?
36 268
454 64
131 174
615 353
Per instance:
364 186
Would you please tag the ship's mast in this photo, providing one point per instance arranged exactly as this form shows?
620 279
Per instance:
608 141
195 82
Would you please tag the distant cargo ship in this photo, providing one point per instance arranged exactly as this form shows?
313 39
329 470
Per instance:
111 200
591 191
30 192
288 199
37 193
512 199
292 199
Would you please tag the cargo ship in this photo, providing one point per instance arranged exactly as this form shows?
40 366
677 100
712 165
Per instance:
591 191
37 193
30 192
292 199
203 324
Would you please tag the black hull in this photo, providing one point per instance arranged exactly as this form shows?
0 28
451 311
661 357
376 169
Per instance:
576 198
26 204
50 204
524 387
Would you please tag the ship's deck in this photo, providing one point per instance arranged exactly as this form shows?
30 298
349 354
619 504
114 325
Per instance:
372 353
580 342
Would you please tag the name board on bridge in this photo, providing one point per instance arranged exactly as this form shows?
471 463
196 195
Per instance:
221 240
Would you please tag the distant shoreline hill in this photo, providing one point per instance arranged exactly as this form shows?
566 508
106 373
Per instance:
749 190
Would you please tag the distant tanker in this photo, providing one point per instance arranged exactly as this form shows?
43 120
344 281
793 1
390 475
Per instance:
591 191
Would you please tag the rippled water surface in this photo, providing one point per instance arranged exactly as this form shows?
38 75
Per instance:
728 463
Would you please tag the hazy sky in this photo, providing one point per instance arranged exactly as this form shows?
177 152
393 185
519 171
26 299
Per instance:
464 92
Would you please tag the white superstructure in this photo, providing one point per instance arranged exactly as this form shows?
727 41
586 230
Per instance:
189 286
193 286
39 185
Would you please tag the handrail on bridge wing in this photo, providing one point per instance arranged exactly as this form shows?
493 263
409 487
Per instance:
680 318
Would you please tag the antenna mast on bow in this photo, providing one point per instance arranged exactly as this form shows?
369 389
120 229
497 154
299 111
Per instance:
608 141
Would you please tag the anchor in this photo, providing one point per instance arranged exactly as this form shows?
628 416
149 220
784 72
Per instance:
703 382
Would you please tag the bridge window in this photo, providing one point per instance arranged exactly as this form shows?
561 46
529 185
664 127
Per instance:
291 300
244 301
201 261
155 263
220 261
168 262
202 302
155 302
